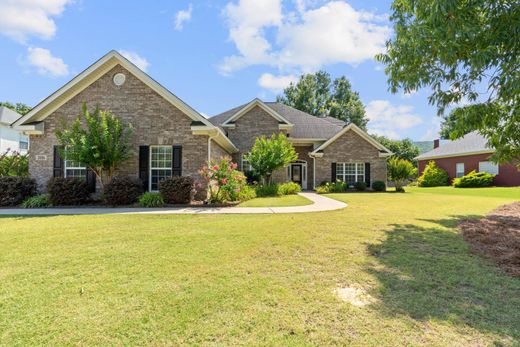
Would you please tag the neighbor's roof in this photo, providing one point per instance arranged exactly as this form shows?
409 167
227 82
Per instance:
472 143
8 116
305 125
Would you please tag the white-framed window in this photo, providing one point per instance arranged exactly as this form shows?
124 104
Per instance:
24 145
160 165
245 165
488 166
350 172
459 170
75 169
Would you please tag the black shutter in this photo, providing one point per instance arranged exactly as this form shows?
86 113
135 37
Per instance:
91 181
333 173
144 161
367 174
177 161
58 165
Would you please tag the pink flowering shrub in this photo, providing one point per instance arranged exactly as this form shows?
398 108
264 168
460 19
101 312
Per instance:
223 180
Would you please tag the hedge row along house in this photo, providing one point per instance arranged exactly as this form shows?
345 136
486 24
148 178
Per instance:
171 138
469 153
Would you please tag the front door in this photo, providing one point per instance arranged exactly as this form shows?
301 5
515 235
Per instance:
296 173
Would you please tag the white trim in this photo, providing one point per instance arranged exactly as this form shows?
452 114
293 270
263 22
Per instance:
218 136
358 131
440 156
262 105
487 162
150 165
90 75
304 177
32 129
356 169
457 170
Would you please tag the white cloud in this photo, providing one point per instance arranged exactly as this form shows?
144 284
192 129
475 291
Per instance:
387 119
136 59
183 16
408 95
305 41
46 63
20 19
276 83
433 131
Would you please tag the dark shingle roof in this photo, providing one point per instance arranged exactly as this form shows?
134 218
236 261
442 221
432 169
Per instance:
470 143
305 125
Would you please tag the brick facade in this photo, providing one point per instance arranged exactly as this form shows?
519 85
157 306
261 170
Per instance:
350 147
155 122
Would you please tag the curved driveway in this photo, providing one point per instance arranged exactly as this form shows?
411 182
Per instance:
320 203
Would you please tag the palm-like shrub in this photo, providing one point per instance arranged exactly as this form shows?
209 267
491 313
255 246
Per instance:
13 163
400 171
151 199
433 176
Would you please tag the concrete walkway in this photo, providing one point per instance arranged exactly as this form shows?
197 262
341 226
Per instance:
320 203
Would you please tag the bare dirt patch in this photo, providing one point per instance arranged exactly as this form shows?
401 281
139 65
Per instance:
497 237
355 296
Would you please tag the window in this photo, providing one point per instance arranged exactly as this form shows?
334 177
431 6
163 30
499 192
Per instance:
75 169
245 165
459 168
24 145
489 167
160 165
350 172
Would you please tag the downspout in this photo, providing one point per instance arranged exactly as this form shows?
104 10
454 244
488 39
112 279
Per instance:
314 173
210 138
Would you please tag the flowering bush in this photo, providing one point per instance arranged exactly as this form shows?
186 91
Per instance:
223 179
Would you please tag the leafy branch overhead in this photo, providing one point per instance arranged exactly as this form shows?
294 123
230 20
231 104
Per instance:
466 52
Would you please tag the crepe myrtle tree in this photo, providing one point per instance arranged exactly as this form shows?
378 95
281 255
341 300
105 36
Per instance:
98 140
400 171
269 154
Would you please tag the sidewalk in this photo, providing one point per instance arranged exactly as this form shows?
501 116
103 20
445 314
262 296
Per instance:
320 203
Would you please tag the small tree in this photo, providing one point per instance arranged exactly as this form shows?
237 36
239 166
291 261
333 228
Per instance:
399 171
98 140
223 180
267 155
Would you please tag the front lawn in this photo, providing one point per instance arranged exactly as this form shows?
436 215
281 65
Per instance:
278 201
259 279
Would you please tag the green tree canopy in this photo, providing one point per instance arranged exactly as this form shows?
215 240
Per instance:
403 149
19 107
318 95
462 49
98 140
269 154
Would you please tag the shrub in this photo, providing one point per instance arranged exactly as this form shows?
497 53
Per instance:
177 189
400 171
360 186
433 176
199 191
379 186
336 187
37 201
122 190
289 188
264 190
223 180
247 193
14 190
150 199
67 191
13 163
473 180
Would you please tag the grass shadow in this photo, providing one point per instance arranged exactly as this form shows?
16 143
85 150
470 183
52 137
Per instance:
429 273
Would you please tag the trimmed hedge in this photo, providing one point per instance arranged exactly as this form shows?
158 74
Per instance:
122 190
360 186
474 180
289 188
177 189
379 186
14 190
67 191
433 176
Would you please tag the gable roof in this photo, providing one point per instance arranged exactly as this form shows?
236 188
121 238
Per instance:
472 143
89 76
384 152
8 116
249 106
305 126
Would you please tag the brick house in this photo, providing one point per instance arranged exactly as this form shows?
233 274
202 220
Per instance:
171 138
466 154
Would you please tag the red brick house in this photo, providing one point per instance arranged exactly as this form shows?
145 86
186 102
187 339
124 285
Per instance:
466 154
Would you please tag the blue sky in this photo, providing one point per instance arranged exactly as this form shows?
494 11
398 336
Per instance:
212 54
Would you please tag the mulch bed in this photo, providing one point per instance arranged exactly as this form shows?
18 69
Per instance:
497 237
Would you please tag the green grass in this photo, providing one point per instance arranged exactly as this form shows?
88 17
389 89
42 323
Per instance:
498 192
279 201
258 279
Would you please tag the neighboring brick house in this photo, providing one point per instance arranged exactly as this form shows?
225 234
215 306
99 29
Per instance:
466 154
171 138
